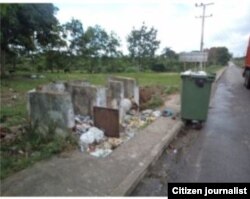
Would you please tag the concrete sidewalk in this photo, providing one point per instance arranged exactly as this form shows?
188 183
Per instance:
80 174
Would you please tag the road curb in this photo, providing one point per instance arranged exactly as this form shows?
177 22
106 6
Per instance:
131 181
220 73
218 77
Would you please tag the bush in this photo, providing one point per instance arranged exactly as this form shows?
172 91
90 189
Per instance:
159 67
131 69
40 68
154 102
24 68
171 89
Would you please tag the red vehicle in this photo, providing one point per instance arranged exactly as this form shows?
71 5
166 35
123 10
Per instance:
246 73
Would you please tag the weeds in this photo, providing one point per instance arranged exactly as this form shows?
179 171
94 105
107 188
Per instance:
171 89
154 102
33 144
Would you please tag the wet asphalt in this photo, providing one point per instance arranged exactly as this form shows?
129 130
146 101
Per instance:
219 152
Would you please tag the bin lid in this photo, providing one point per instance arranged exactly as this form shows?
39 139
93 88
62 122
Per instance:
198 74
194 73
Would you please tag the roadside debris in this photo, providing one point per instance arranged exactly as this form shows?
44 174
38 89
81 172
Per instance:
167 112
175 151
156 114
101 152
83 123
114 142
94 141
93 135
14 97
34 76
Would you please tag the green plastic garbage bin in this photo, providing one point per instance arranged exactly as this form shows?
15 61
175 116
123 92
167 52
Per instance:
195 95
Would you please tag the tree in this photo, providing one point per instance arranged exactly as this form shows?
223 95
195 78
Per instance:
24 25
223 56
112 44
218 56
158 67
110 59
73 32
100 47
169 54
142 44
96 40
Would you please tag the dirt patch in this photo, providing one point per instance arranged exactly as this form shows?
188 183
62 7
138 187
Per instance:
153 96
9 97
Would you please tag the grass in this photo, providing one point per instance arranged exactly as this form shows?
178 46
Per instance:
154 102
171 89
31 146
97 79
213 69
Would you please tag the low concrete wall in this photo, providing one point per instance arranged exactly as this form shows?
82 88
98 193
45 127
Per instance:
84 98
131 90
77 83
115 93
60 101
58 87
48 107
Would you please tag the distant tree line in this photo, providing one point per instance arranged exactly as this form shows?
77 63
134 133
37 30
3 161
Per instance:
219 56
33 39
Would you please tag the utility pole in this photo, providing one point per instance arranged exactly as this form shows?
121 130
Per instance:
203 16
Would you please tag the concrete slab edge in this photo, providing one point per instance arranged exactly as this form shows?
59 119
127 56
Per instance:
130 182
220 73
218 77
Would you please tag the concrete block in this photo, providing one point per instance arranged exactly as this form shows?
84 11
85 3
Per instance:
85 96
115 93
48 107
57 87
60 101
78 82
131 90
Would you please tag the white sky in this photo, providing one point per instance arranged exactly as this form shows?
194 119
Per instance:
174 19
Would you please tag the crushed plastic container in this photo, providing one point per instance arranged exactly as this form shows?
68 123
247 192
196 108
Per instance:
195 95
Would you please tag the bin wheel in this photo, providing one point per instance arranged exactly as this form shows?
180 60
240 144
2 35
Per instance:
188 122
197 125
247 80
194 125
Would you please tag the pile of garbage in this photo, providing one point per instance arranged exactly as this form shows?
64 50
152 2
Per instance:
136 121
93 140
194 73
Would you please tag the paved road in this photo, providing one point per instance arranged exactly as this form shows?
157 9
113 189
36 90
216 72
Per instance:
220 152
